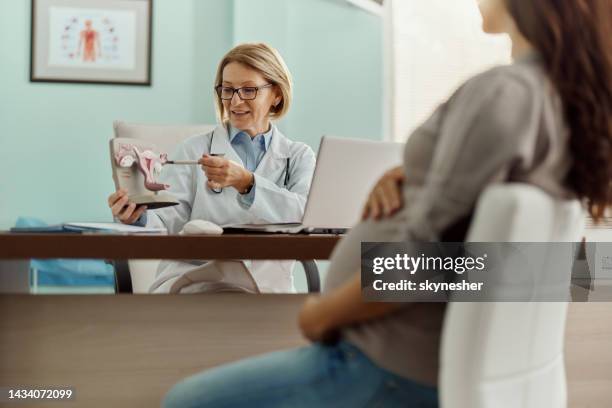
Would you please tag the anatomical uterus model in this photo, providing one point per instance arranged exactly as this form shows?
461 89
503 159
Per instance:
149 163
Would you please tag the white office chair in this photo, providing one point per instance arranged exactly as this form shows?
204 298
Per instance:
510 355
137 276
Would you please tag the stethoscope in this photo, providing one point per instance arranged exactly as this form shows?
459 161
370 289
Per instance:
220 190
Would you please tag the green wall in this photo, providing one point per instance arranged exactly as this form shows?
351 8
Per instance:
54 137
334 51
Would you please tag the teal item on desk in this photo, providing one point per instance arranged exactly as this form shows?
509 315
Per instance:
66 272
49 229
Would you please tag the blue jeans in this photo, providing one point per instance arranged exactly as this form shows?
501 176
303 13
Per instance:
313 376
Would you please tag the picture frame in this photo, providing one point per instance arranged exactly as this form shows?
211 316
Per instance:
91 41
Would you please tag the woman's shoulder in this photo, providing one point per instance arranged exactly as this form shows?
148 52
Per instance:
524 79
500 90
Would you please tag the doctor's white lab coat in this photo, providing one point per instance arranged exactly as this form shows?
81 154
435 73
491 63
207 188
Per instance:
273 202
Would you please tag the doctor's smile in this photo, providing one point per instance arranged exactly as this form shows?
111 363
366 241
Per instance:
248 97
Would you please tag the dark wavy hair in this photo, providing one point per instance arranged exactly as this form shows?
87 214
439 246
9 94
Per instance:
574 37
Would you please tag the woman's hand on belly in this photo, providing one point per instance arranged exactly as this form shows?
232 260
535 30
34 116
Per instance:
386 196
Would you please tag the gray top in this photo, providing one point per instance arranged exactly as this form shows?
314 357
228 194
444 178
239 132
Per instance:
505 124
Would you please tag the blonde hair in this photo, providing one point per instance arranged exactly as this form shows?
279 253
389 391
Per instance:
269 63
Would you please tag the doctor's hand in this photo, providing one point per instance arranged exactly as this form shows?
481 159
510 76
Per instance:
222 172
386 196
122 209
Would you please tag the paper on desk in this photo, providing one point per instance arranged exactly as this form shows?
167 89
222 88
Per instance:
116 227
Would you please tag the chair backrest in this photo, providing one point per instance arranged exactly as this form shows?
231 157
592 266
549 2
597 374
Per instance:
510 354
165 138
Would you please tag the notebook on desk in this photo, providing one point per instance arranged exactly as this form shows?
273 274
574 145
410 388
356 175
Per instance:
345 172
81 227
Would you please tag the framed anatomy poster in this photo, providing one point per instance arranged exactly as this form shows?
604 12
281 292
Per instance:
91 41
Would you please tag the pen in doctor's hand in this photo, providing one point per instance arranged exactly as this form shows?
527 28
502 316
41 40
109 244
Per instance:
182 162
193 162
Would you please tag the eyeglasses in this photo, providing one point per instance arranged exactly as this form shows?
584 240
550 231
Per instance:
246 93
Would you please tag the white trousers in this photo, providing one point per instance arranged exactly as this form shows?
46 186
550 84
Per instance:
219 276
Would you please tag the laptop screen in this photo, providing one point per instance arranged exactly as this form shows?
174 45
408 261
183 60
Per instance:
346 171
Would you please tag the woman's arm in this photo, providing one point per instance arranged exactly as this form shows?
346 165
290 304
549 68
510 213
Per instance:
322 317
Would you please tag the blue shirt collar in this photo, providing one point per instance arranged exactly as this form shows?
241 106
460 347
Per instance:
233 132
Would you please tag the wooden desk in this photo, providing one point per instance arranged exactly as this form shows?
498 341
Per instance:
128 350
115 246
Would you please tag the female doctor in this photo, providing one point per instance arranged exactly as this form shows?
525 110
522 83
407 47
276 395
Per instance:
250 172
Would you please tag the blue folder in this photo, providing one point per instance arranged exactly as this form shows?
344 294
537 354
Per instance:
65 272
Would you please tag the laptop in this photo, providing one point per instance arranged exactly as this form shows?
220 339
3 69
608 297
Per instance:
345 172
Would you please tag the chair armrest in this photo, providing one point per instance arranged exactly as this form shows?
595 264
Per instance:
313 280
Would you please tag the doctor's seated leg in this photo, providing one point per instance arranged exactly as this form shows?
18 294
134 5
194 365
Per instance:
224 276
